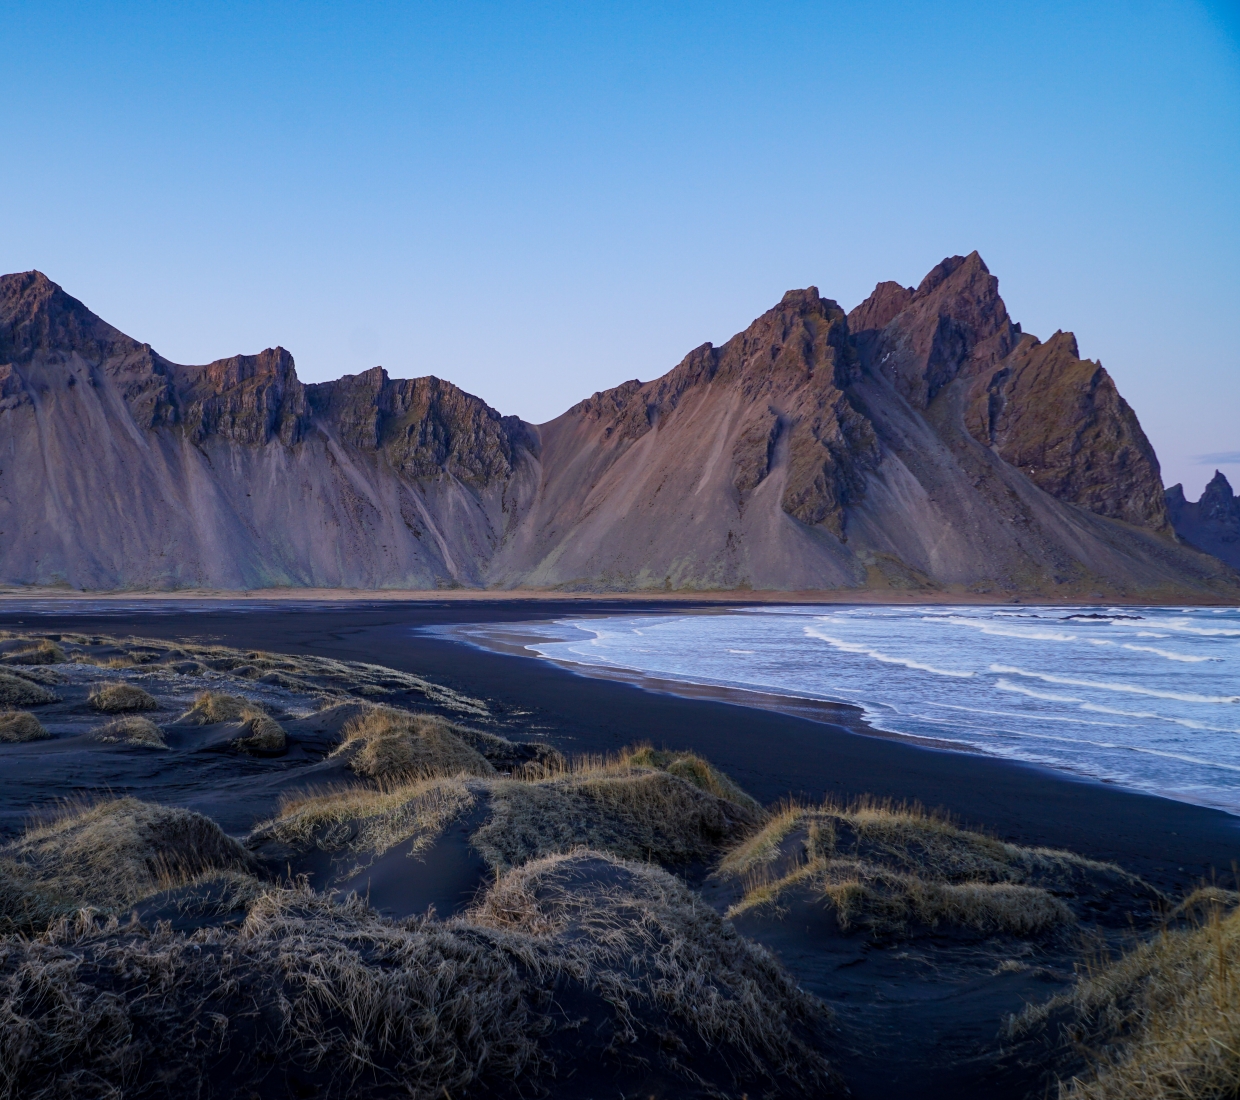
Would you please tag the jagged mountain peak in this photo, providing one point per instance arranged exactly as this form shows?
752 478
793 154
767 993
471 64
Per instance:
920 440
37 315
1211 523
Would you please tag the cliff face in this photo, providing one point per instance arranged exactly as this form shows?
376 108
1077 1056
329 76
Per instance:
1213 523
121 469
921 441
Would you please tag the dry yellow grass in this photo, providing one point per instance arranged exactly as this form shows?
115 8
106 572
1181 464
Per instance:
306 987
17 691
26 905
43 651
883 866
112 853
121 699
660 807
368 820
19 725
1163 1021
211 707
639 937
264 736
392 746
134 730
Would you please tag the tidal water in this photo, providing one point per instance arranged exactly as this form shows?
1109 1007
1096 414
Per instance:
1145 697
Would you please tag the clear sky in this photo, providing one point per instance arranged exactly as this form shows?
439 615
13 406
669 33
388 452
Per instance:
538 201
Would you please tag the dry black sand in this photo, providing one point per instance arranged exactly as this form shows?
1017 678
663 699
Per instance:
927 1011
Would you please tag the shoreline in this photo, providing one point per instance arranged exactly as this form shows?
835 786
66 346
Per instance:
508 639
772 754
739 597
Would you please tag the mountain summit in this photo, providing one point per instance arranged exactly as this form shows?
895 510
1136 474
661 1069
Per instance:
921 441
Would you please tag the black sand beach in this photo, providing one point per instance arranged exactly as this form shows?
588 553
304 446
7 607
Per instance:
923 1024
1171 844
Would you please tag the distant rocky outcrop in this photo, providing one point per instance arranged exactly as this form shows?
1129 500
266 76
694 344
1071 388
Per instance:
921 441
1213 523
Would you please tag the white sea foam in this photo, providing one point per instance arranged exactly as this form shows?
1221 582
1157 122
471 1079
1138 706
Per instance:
1168 654
1187 723
1100 685
1097 696
886 658
1049 696
1032 634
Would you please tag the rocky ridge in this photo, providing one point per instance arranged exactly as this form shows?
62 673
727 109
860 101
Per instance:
1213 523
921 441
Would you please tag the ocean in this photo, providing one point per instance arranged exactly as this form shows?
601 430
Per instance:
1145 697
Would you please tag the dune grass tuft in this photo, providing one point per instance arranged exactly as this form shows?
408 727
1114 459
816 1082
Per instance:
264 736
690 767
367 820
211 707
17 691
41 652
393 745
882 867
122 699
26 905
663 810
132 729
20 725
112 853
639 937
1163 1021
306 988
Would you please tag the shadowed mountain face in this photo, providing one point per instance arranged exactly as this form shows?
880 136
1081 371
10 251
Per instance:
1213 523
921 441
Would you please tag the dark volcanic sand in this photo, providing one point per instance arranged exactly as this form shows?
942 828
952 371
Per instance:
922 1026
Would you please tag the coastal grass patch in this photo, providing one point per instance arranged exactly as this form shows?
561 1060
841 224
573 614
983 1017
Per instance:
264 736
20 725
28 906
212 707
17 691
883 866
42 651
132 729
306 988
121 699
662 808
111 853
639 938
1162 1022
315 991
367 819
390 745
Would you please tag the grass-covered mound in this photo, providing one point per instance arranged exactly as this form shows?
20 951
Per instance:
20 725
113 853
669 966
122 699
364 821
670 809
882 868
1162 1022
391 745
660 807
33 651
211 707
18 691
579 966
132 729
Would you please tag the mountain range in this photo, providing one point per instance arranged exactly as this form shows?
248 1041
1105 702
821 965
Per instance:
920 442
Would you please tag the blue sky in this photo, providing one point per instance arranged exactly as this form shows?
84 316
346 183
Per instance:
537 201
